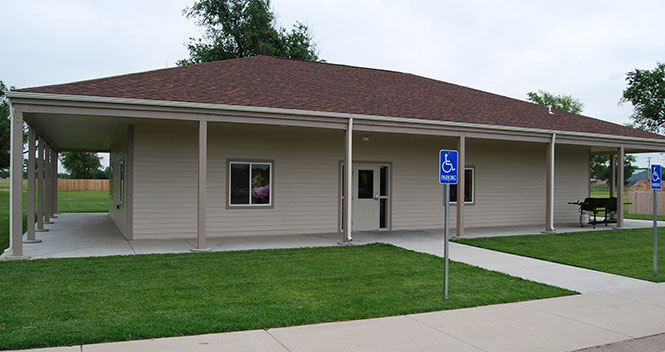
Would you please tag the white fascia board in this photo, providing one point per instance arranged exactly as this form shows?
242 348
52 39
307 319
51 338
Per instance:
297 112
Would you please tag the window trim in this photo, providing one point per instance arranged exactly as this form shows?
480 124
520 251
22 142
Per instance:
270 205
473 187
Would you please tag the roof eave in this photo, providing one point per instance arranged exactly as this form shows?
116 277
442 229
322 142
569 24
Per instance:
338 115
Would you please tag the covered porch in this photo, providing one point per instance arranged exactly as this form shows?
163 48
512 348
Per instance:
185 146
95 234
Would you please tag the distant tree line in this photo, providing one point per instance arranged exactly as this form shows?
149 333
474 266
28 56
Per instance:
600 163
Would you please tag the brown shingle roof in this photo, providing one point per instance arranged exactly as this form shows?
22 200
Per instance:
282 83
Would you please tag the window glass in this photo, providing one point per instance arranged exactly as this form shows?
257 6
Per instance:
249 183
365 184
122 182
239 183
260 183
382 213
468 187
384 181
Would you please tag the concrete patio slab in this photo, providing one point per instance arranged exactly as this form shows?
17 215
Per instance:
176 245
252 340
79 235
383 334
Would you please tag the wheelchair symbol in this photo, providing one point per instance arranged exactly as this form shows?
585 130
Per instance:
446 165
654 176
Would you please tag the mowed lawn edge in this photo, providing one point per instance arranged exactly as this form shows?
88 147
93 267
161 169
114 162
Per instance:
58 302
621 252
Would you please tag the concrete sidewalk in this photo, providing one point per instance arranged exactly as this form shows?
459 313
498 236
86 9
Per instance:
557 324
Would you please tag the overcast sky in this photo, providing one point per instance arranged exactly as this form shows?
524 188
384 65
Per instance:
580 48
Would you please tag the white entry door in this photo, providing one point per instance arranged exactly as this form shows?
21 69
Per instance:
366 206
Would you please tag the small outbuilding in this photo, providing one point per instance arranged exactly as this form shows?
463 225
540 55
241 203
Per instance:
265 145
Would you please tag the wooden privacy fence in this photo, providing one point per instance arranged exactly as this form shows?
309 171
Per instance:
642 203
82 185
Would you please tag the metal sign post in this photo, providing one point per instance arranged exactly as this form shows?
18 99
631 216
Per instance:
656 185
447 176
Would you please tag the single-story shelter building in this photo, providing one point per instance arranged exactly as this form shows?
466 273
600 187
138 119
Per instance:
266 145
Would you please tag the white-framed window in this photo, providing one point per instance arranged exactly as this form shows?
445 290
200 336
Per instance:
469 187
250 183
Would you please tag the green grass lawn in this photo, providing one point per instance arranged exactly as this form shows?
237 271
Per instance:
68 202
54 302
622 252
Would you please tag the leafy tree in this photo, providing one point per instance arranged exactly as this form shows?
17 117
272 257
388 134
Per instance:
102 174
600 167
243 28
81 165
646 91
4 128
600 163
561 102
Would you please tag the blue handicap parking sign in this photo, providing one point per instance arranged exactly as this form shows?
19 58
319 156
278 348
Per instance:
448 167
656 181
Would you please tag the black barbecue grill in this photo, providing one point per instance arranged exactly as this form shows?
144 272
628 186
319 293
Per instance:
596 205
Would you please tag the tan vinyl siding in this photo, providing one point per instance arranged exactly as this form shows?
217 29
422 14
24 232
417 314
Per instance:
509 183
165 175
118 154
304 185
571 182
509 179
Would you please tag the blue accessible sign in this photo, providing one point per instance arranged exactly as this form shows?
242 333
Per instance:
656 181
448 167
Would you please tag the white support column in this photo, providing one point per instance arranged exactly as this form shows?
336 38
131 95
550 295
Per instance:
129 198
16 185
55 183
40 186
47 186
30 170
612 174
348 184
461 164
620 157
549 196
202 181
